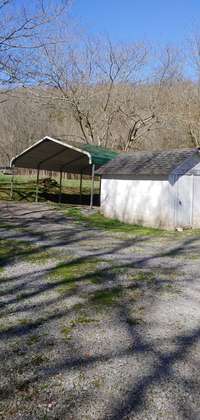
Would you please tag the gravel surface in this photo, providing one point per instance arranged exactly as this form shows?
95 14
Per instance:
96 325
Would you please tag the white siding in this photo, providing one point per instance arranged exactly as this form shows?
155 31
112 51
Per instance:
146 202
196 202
184 201
167 203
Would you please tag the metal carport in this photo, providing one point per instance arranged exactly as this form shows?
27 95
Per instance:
54 155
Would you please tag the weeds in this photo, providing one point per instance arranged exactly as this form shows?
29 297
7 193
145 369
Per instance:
72 272
13 248
97 220
33 339
106 297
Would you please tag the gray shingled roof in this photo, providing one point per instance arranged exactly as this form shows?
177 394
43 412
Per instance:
147 163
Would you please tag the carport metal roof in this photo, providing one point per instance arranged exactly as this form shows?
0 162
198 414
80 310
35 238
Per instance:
54 155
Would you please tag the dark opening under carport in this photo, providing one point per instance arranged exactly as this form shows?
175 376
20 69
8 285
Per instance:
53 155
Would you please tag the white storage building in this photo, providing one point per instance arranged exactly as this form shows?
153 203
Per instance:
158 189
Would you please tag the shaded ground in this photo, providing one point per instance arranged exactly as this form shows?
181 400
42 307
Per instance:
95 324
24 189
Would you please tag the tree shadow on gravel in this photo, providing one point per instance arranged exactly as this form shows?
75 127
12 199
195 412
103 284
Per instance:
111 288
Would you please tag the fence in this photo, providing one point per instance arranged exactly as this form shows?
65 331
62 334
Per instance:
45 174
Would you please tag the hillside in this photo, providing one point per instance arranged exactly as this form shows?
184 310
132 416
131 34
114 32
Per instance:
28 115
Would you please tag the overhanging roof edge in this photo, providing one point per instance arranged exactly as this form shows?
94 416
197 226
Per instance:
66 145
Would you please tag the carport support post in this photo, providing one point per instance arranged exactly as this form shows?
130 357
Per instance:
92 187
100 187
81 182
60 191
12 182
37 185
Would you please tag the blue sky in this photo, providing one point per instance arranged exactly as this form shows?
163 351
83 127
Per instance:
158 21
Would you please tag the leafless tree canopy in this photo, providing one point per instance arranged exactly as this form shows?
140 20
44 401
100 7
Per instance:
57 81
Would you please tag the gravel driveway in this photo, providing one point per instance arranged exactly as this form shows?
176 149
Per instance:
96 325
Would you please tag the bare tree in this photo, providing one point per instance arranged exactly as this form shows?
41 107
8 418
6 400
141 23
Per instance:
21 31
115 94
90 80
193 111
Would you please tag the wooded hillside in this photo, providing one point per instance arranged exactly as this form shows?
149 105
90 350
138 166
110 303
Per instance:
55 81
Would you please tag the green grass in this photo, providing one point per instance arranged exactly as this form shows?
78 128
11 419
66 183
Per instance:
39 257
82 319
70 275
97 220
143 276
106 297
33 339
72 272
67 330
12 248
193 257
24 188
8 226
25 321
133 295
21 296
98 278
38 359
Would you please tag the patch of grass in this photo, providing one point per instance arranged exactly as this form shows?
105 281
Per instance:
7 226
142 276
13 248
67 288
33 339
24 188
71 273
98 278
39 257
78 307
132 295
81 320
43 387
25 321
170 288
106 297
38 359
66 331
193 257
161 281
97 220
76 214
135 316
3 327
21 296
119 270
97 382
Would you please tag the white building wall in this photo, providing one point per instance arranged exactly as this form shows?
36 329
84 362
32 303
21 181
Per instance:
146 202
186 180
166 203
196 202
